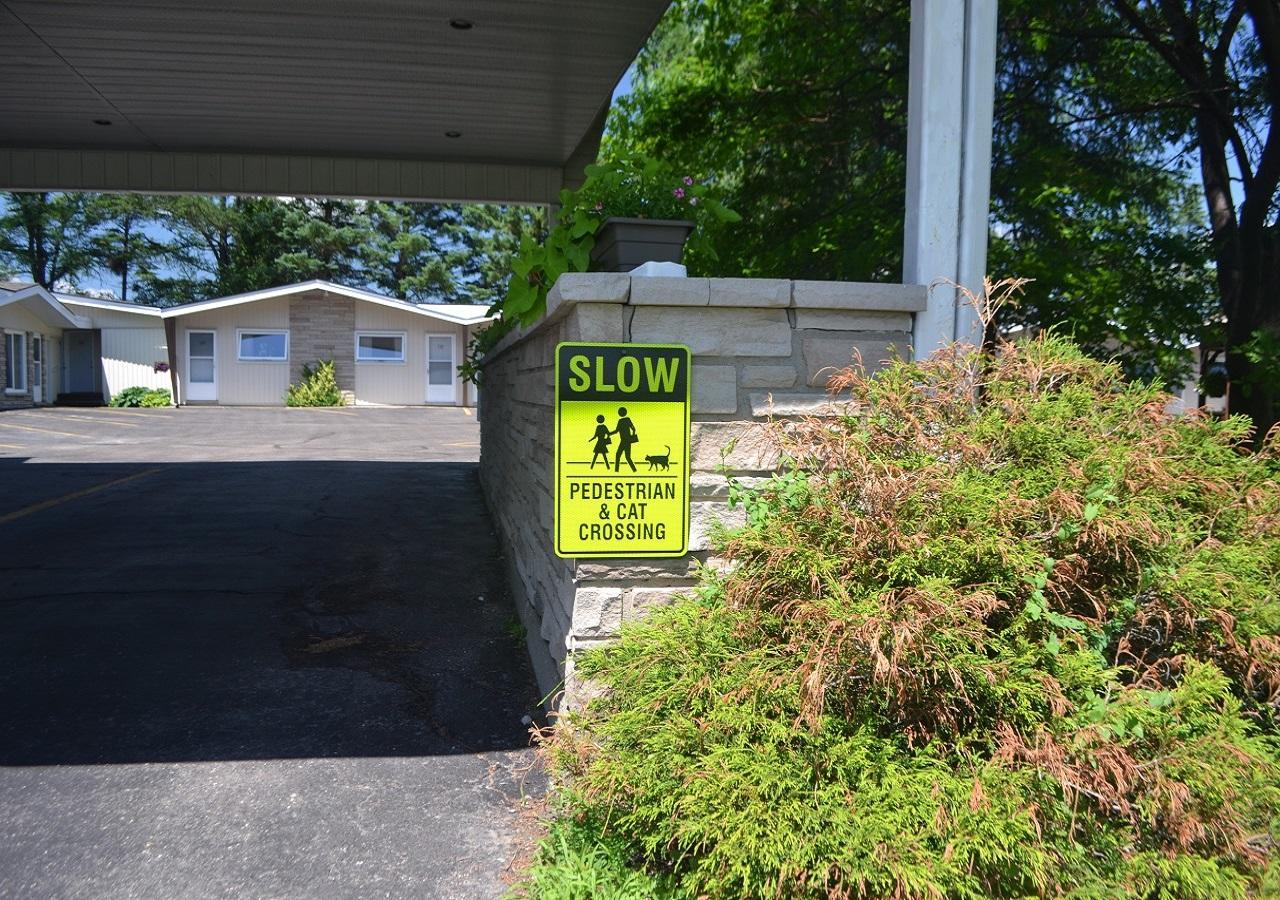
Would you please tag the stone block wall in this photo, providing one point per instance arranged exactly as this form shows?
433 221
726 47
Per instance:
321 326
761 348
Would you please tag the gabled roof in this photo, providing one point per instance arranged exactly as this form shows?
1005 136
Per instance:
457 314
44 306
97 303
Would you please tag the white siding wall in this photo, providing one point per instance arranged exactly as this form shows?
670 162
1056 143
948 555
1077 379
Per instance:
129 356
132 343
402 383
239 383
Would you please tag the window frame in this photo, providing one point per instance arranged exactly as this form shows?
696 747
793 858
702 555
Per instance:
8 357
240 335
404 348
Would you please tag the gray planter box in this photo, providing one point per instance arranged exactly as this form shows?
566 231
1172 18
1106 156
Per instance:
623 244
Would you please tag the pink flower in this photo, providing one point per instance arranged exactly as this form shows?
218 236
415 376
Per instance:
599 206
688 180
678 193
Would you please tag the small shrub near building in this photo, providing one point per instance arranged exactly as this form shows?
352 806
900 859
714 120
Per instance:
141 396
1010 631
318 387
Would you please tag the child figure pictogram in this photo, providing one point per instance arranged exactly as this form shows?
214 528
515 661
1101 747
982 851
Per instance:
602 440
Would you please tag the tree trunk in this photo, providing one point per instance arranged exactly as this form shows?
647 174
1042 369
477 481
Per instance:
124 268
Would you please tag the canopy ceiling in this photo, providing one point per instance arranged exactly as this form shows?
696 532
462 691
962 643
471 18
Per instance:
376 93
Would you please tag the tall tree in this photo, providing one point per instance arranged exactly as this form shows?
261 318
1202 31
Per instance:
492 236
798 109
1092 200
1107 113
324 240
48 237
414 250
122 245
218 246
1222 70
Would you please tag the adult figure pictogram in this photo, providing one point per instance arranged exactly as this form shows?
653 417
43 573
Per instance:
627 436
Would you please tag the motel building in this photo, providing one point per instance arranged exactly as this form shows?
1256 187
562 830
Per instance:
242 350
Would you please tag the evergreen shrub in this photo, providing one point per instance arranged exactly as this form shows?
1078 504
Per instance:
318 387
1008 629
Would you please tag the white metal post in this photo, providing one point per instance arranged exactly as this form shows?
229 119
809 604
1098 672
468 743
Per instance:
951 95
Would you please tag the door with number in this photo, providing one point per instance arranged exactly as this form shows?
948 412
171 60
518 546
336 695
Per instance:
442 371
37 368
202 366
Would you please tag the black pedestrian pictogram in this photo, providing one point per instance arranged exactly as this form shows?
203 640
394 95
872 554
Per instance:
627 436
602 439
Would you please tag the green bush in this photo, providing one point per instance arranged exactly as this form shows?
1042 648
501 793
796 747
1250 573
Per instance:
633 186
318 387
1016 641
141 396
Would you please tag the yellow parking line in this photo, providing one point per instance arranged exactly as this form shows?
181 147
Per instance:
112 411
11 446
88 419
45 504
45 430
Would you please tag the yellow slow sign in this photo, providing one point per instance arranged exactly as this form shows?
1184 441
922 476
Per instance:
622 450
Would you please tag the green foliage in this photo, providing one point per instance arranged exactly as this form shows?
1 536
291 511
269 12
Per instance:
166 251
631 186
798 109
575 862
121 245
48 237
141 396
626 186
318 387
1016 641
1090 198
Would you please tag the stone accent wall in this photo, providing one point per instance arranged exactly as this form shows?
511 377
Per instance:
761 348
322 326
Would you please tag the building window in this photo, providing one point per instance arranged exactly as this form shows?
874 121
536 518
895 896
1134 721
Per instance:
15 362
263 346
374 346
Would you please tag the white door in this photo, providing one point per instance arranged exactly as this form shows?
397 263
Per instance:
202 367
442 370
37 365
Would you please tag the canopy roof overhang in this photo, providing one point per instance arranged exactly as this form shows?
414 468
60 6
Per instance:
382 98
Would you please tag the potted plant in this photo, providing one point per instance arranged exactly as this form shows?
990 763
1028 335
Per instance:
645 211
629 211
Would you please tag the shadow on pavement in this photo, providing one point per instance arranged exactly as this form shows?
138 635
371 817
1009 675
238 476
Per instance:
253 610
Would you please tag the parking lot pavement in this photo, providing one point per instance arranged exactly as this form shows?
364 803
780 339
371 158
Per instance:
255 652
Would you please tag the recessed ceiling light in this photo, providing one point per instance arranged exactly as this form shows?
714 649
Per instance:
462 24
453 134
101 121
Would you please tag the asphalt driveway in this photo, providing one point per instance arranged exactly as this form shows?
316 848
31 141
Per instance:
255 653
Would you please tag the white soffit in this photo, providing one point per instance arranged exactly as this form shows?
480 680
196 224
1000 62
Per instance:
310 96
